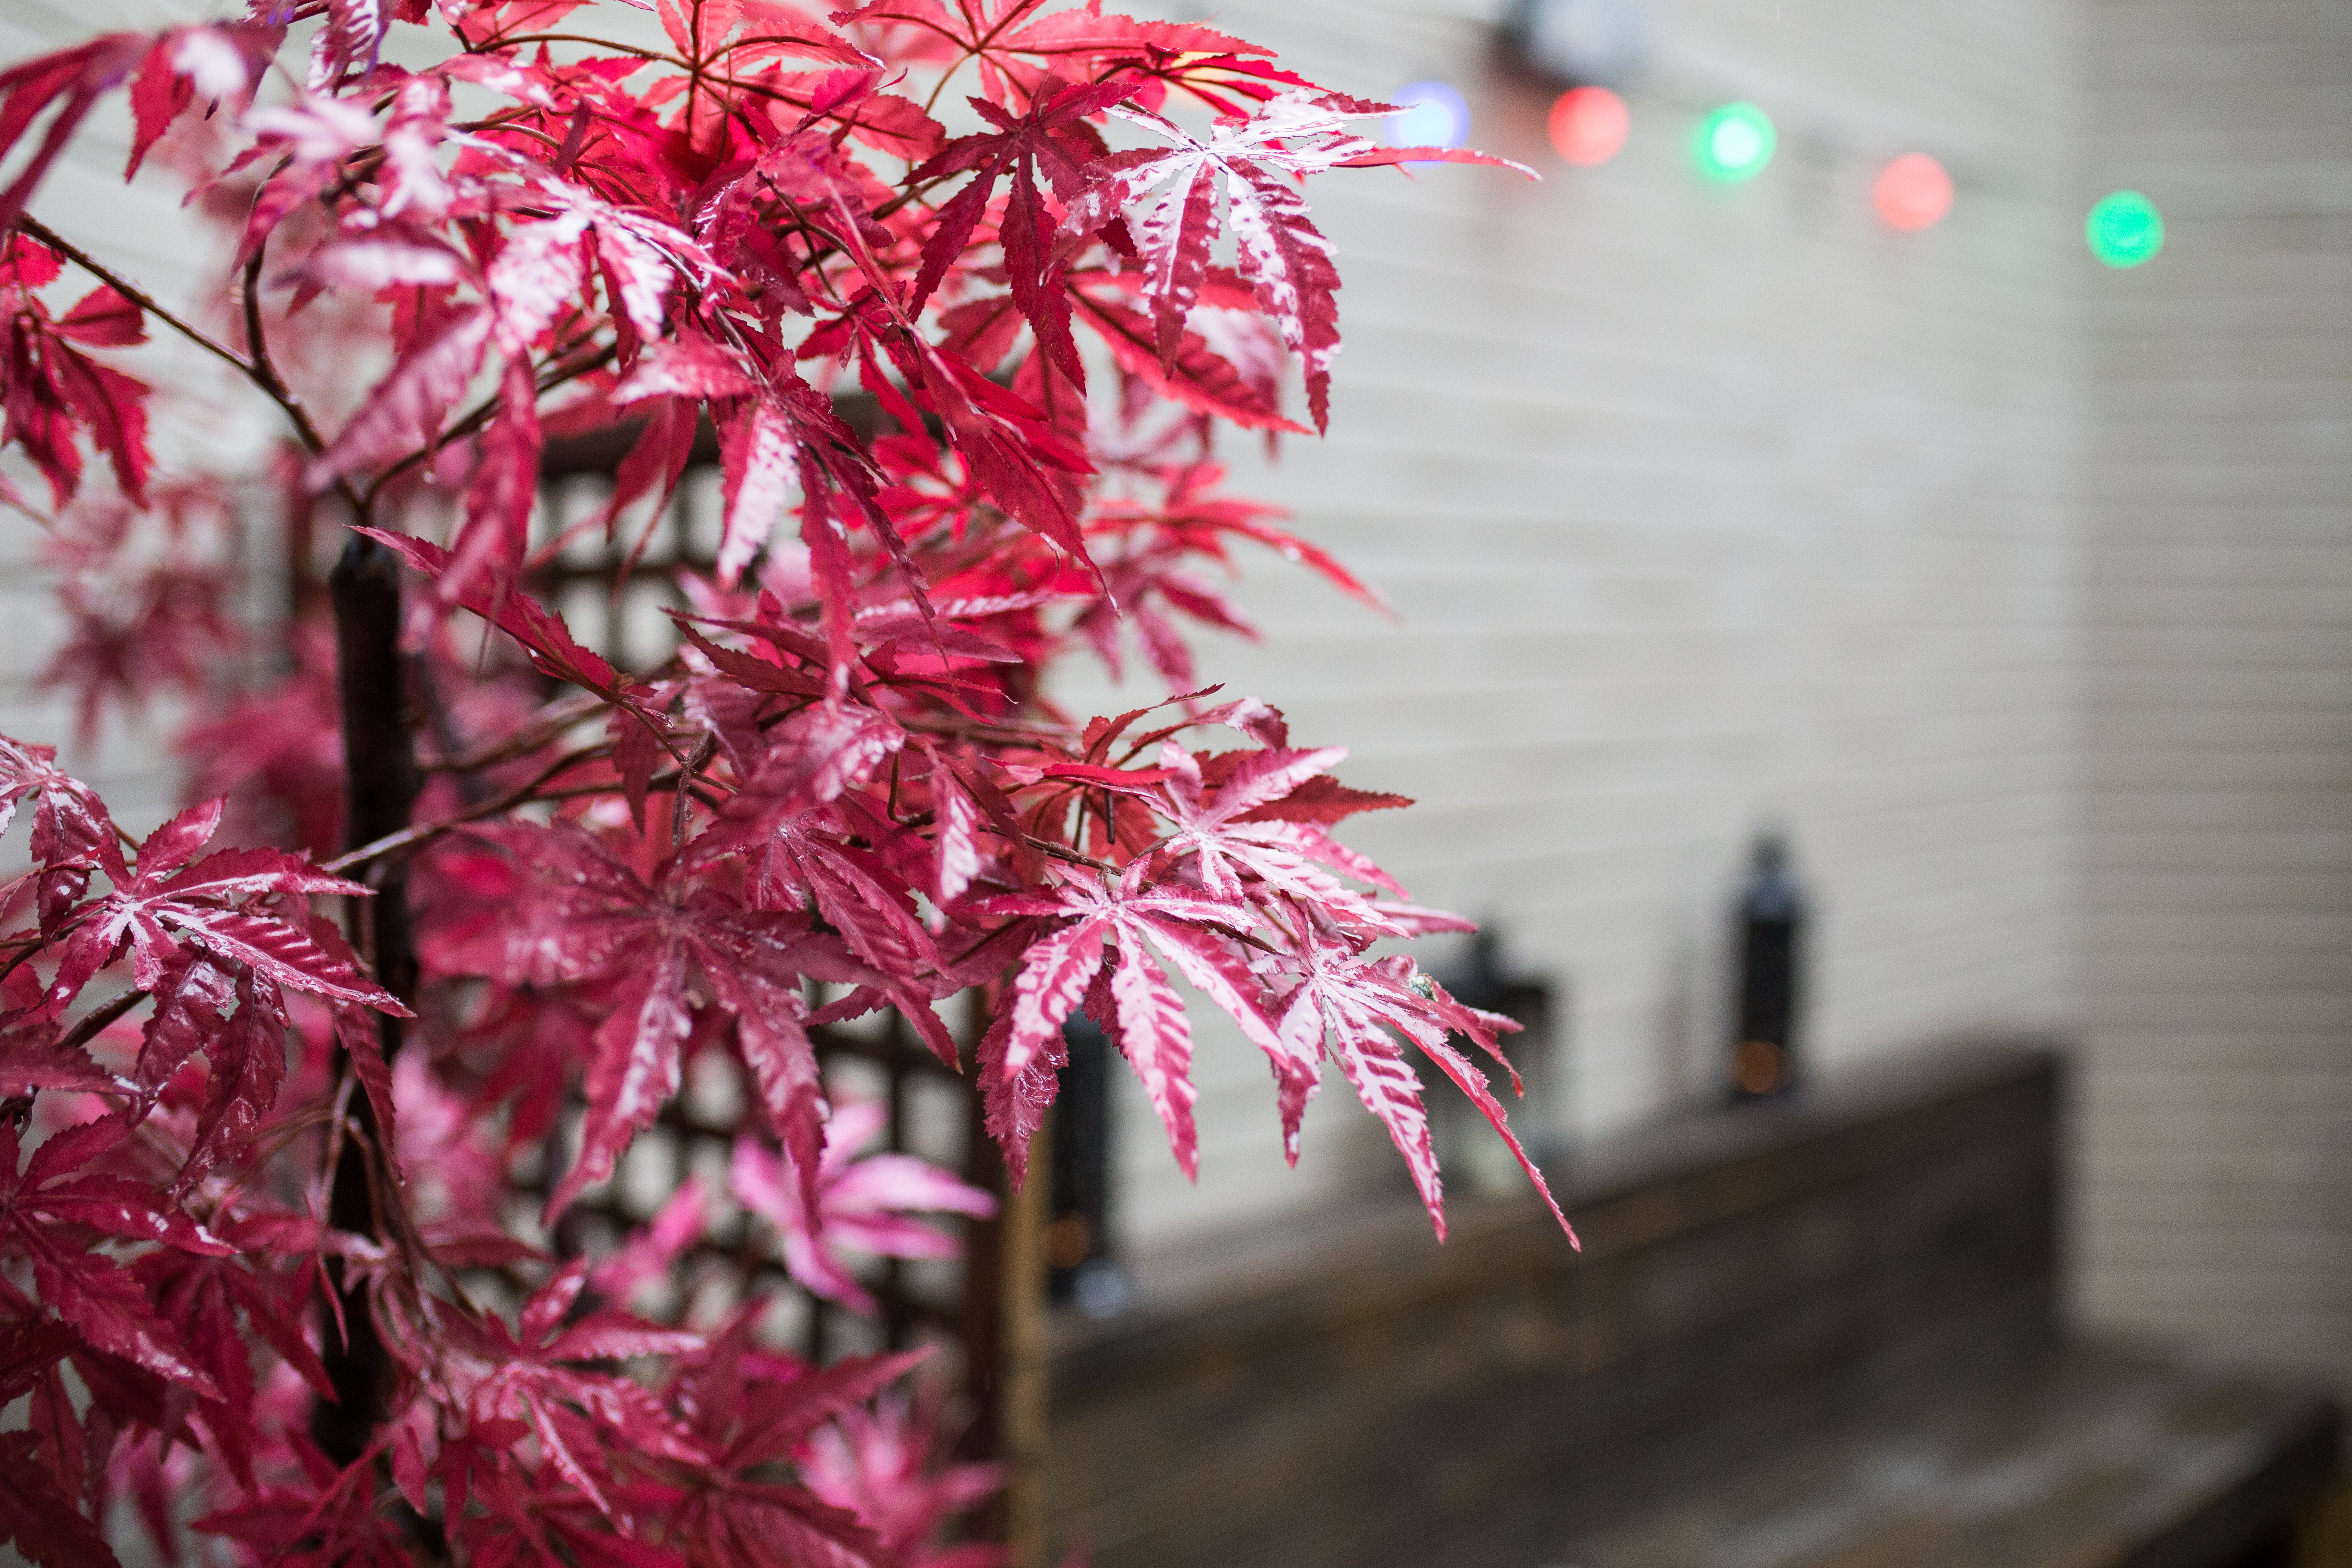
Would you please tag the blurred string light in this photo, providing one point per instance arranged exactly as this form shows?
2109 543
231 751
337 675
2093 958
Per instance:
2124 229
1735 143
1593 46
1913 193
1433 115
1587 125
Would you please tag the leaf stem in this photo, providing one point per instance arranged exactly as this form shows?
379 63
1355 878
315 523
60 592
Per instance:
651 56
95 1022
1061 852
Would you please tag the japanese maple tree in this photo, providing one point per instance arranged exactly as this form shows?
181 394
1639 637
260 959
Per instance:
301 1086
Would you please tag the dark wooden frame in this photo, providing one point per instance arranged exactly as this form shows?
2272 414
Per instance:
1337 1391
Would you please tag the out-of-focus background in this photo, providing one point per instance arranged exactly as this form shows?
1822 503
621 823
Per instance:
2017 589
2014 589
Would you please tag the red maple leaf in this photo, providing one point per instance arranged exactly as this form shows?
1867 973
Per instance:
148 610
1190 372
1017 460
332 1517
864 1204
796 821
211 1303
1280 251
169 905
50 391
52 1217
1052 139
35 1056
39 1517
575 913
541 1375
69 825
223 58
237 1019
73 80
1082 36
1014 58
41 1496
753 1411
787 434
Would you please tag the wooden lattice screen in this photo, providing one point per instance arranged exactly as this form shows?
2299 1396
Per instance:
983 1310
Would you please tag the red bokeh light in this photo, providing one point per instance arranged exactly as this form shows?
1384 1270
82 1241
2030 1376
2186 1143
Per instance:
1588 125
1914 193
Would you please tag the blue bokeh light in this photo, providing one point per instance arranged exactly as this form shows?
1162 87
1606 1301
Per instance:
1434 115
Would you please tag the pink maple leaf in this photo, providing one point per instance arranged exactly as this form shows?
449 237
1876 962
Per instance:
1346 1005
574 914
541 1376
1134 917
882 1465
862 1203
1280 252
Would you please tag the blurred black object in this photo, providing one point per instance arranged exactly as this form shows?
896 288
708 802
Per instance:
1082 1268
1771 921
1464 1144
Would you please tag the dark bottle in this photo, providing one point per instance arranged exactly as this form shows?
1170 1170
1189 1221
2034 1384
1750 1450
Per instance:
1771 928
1082 1267
1464 1144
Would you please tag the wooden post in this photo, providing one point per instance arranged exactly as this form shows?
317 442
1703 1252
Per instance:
379 789
1021 1359
1004 1333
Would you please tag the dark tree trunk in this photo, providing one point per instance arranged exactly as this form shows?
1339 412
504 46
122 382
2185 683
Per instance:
380 787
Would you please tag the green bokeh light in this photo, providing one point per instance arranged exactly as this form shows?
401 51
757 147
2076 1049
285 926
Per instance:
2124 229
1735 143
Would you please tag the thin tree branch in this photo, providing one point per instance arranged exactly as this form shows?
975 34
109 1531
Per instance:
37 229
550 378
256 343
560 715
419 833
257 370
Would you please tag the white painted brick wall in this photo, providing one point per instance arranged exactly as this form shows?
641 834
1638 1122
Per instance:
2217 1154
142 229
1702 508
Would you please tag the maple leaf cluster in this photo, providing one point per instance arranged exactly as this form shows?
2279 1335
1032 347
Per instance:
843 793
